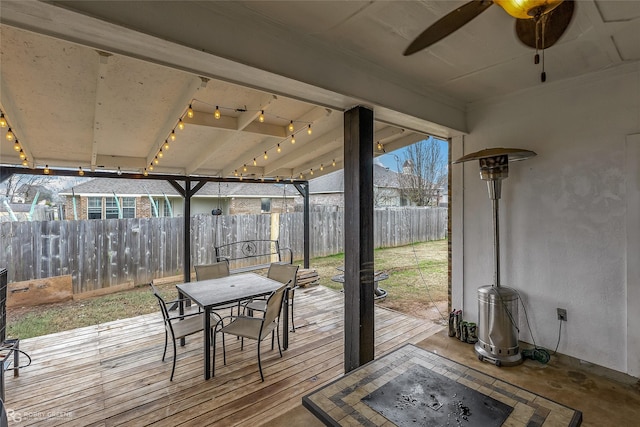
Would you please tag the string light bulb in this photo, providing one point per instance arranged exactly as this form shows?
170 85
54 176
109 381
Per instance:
80 171
151 166
301 176
190 112
293 139
180 124
255 163
216 114
311 172
3 121
277 179
262 178
291 126
261 116
119 172
172 137
321 167
240 177
235 172
155 160
22 155
25 162
244 168
265 155
16 146
144 172
10 136
309 131
333 163
379 145
46 170
279 150
165 146
160 153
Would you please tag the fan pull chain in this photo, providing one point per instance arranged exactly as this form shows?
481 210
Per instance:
543 75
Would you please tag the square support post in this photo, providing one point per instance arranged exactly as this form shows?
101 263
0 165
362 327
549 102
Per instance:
358 224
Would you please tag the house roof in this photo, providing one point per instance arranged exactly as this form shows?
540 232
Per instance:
334 182
136 187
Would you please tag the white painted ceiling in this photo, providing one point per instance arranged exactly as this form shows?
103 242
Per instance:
102 84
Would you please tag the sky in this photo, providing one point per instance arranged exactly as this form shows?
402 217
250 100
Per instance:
394 159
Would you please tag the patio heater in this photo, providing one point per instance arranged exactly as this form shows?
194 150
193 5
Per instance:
497 305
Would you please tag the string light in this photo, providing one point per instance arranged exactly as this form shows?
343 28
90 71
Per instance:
261 116
16 146
22 155
311 172
333 163
301 176
291 126
244 168
216 114
190 112
277 179
235 172
144 172
262 178
240 177
380 148
165 147
321 167
10 136
255 163
80 171
3 121
160 154
155 160
279 149
151 166
180 124
265 155
293 139
25 162
172 137
309 131
119 172
46 169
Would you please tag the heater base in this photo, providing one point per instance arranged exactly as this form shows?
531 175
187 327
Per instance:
485 356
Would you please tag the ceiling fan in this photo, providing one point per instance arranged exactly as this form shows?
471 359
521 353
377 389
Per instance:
539 23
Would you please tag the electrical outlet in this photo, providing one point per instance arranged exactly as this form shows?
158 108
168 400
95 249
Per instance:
562 314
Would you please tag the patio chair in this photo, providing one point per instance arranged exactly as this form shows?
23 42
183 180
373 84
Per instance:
178 326
283 273
255 328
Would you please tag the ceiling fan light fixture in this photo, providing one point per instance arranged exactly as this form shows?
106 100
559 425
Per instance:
527 9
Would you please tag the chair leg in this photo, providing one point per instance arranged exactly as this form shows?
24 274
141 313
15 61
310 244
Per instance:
259 362
166 341
278 335
293 325
175 355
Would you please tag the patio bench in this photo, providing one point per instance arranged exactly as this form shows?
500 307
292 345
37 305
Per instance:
249 255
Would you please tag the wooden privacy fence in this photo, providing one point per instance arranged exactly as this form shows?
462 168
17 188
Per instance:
103 253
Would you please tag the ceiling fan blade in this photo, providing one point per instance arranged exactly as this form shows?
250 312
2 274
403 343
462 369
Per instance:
447 25
558 20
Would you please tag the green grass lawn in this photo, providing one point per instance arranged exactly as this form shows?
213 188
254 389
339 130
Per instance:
417 280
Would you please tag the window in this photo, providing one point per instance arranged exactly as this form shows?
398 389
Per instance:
265 205
94 207
167 211
111 208
128 207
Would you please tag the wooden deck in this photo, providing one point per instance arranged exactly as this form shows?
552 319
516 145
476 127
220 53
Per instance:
112 374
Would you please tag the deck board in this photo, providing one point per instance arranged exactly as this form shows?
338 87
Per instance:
112 374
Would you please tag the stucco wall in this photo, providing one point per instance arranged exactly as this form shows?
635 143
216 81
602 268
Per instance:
563 214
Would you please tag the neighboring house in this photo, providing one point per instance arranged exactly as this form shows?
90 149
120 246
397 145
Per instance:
26 212
328 190
103 198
